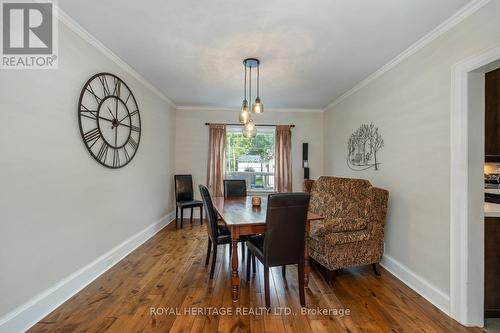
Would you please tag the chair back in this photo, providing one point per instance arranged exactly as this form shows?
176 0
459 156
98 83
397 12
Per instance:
213 231
183 187
285 228
235 188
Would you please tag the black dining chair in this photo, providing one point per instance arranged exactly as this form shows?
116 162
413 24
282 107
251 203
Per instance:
184 198
235 188
217 234
284 240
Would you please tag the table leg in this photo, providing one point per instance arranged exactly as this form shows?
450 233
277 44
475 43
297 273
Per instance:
307 268
235 279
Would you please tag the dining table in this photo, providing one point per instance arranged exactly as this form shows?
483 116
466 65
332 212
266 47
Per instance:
243 218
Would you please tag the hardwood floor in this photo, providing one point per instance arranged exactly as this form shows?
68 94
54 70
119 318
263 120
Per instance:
169 272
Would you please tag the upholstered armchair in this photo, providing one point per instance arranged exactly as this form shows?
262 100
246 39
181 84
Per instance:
352 233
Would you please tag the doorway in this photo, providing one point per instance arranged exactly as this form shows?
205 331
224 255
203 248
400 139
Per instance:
467 187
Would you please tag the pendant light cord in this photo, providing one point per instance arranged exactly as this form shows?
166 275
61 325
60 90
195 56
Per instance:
258 79
245 84
250 90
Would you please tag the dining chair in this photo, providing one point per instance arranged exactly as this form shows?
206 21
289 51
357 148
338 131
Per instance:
284 239
184 198
217 234
235 188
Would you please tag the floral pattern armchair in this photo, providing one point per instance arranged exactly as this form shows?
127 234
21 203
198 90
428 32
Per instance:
352 233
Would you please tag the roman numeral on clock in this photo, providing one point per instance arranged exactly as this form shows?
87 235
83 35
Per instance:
132 143
105 86
125 152
91 90
116 90
103 152
116 158
92 136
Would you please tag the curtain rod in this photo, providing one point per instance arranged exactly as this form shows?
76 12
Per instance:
262 125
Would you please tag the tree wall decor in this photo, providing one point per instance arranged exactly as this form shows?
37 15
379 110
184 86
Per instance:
362 148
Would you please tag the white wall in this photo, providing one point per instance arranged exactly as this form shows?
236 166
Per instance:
411 106
60 209
191 148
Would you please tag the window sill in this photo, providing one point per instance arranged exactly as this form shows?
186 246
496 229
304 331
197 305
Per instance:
257 192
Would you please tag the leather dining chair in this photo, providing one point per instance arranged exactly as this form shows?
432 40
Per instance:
235 188
184 198
284 239
217 234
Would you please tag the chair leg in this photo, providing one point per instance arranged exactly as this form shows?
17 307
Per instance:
243 251
214 257
248 264
201 215
301 285
191 218
208 251
182 217
176 216
266 287
254 267
283 271
375 269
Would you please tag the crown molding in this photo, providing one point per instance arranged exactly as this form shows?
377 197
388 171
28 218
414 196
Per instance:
89 38
444 27
236 109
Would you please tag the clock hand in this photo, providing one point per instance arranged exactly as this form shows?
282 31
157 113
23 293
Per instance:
105 119
116 103
123 125
110 112
124 118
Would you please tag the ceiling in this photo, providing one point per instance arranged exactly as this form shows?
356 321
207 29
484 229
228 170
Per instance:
311 51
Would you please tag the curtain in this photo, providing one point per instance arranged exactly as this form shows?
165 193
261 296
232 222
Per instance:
283 151
216 157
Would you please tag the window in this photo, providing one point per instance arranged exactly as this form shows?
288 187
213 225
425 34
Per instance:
251 159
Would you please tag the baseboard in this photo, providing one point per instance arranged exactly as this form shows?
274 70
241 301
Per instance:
28 314
425 289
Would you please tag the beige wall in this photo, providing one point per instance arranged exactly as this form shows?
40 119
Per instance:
411 106
192 140
60 209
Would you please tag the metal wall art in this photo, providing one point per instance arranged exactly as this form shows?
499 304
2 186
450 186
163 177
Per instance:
109 120
362 148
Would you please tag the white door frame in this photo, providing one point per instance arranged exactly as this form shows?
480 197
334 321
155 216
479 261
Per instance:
466 209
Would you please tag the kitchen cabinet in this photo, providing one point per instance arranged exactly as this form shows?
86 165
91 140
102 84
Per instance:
492 267
492 116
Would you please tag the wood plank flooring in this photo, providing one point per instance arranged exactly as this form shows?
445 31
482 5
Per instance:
167 274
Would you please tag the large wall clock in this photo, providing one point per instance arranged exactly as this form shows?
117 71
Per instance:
109 119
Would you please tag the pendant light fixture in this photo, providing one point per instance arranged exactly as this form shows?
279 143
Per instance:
247 108
245 112
258 107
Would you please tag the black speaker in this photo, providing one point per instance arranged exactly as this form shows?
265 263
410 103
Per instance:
305 159
305 151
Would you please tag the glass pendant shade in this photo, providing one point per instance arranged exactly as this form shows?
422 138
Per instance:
244 114
258 107
249 130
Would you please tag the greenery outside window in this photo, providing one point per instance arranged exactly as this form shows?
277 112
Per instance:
251 159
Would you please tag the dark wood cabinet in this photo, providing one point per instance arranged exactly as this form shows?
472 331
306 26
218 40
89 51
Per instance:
492 267
492 116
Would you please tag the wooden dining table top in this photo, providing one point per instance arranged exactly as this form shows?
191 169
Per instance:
240 211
